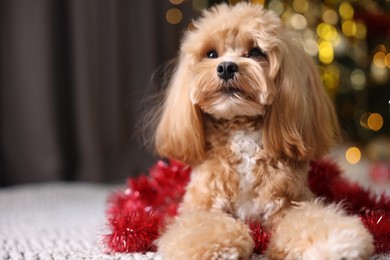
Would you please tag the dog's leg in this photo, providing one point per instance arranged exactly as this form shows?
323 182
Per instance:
311 230
206 235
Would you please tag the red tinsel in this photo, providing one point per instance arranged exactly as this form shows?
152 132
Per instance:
133 232
378 222
325 180
136 215
260 236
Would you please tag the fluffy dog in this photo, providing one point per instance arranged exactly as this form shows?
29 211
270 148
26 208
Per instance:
246 109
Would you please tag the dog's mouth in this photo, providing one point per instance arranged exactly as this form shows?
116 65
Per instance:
232 91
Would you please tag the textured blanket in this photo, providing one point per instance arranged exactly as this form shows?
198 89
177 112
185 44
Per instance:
59 221
55 221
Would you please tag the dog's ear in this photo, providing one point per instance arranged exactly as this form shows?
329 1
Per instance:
301 122
180 133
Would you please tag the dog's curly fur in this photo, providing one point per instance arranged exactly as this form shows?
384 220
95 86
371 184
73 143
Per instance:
249 132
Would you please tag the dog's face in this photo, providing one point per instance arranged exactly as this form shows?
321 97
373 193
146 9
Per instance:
241 61
228 56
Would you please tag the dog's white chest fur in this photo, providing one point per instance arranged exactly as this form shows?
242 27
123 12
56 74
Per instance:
247 145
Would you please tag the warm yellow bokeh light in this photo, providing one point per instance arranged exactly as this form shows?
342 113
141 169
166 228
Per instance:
379 60
325 52
330 77
300 6
326 31
330 17
353 155
361 31
349 28
331 82
174 16
346 10
375 122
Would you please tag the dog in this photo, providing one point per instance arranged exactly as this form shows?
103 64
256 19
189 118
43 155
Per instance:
245 108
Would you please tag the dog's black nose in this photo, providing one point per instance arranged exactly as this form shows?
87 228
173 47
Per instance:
226 70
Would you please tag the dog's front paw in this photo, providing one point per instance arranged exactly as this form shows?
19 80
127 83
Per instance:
345 244
206 235
315 231
224 253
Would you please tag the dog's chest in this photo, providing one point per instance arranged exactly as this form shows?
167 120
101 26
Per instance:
245 145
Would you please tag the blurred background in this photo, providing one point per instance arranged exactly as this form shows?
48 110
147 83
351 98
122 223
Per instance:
75 77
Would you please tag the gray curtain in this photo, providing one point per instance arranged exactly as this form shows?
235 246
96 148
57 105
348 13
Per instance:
73 79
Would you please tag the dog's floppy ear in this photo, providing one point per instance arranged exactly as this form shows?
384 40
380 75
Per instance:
180 133
301 122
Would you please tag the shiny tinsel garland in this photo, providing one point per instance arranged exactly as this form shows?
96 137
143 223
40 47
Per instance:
138 214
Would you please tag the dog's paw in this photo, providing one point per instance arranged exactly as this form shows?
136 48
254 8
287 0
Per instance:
206 235
321 232
347 244
224 253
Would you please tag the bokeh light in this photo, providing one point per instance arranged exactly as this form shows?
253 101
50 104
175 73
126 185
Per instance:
330 76
176 2
174 16
375 122
346 10
379 60
330 17
387 60
349 28
298 21
361 30
325 52
276 6
358 79
353 155
371 121
300 6
326 31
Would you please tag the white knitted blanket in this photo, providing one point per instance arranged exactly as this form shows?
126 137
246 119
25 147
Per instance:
55 221
58 221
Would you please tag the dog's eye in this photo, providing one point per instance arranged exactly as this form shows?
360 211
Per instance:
256 53
212 54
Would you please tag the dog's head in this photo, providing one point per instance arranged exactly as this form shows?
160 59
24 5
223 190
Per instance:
241 61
